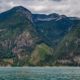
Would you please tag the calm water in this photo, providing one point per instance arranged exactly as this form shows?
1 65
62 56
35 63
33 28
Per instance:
37 73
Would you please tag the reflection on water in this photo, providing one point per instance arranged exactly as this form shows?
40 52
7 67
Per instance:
40 73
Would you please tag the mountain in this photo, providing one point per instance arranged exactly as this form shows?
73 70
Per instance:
52 31
28 39
17 35
68 50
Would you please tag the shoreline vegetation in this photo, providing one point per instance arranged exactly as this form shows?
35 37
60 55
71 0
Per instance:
9 63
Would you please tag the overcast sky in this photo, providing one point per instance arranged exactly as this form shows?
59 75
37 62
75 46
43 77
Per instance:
67 7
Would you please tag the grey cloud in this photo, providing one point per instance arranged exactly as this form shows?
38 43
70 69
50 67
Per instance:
56 0
67 7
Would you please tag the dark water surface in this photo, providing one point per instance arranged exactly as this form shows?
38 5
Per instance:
40 73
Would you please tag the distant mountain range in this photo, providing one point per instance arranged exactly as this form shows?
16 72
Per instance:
28 39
